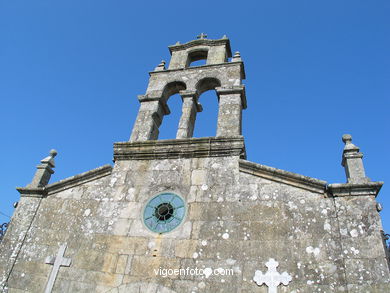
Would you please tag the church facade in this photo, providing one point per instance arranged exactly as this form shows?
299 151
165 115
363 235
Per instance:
192 214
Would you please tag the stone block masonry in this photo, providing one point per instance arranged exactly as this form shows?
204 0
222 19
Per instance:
274 230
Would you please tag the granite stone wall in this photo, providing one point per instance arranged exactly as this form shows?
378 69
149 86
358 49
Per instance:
238 217
243 220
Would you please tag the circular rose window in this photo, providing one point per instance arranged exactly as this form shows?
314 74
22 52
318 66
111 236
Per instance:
164 212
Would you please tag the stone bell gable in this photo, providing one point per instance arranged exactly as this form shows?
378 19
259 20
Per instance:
195 205
219 74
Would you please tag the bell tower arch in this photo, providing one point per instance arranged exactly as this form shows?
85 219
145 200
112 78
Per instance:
219 73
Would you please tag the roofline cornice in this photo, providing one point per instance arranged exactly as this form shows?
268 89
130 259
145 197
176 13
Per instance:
200 42
355 189
180 148
79 179
66 183
281 176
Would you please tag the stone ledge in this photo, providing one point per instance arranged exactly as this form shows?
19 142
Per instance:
355 189
38 192
180 148
239 89
203 67
277 175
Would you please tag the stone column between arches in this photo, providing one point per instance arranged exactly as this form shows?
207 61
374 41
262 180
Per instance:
188 116
231 103
149 119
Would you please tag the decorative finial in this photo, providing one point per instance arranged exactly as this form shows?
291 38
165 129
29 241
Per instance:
202 36
224 37
44 171
50 159
177 43
237 57
161 66
349 146
347 138
352 162
53 153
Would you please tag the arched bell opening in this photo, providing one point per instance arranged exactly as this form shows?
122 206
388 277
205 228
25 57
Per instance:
197 58
172 88
207 83
207 120
170 123
172 102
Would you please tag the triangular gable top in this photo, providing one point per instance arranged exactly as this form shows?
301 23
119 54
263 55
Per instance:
281 176
66 183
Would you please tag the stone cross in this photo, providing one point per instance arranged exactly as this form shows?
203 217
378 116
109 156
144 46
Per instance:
202 36
272 278
57 262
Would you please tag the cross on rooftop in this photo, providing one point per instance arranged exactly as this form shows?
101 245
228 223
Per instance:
272 278
202 36
57 262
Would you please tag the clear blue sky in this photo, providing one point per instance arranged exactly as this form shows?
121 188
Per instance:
70 73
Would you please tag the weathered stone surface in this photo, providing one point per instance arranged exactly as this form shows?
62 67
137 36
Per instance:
218 74
239 214
328 242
